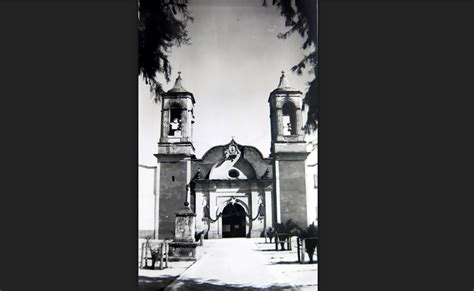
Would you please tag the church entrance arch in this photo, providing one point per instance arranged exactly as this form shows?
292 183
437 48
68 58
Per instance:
233 221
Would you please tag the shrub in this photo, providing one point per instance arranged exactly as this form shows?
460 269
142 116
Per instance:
287 229
154 252
311 234
270 233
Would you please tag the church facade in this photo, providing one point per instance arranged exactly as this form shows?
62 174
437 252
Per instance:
234 190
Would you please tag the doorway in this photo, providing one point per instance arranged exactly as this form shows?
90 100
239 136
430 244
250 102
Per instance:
233 221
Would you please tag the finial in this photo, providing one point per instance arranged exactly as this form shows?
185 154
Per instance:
178 86
283 82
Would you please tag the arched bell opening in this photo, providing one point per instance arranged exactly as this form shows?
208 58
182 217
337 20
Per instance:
175 120
289 119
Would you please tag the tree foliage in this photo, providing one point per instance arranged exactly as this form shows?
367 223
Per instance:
300 18
311 234
161 25
285 230
289 227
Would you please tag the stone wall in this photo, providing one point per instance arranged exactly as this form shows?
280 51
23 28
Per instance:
293 192
172 195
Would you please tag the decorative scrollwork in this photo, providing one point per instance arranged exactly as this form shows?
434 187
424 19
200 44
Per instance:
232 150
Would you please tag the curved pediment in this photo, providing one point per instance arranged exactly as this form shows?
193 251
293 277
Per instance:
232 165
228 169
232 161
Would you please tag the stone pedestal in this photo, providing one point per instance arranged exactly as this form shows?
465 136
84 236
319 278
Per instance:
183 247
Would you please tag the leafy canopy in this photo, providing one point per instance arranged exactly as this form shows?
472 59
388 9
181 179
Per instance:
300 18
161 25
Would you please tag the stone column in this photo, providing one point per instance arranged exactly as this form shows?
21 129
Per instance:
156 192
199 209
184 125
188 180
213 229
165 124
277 191
279 124
268 209
257 225
299 123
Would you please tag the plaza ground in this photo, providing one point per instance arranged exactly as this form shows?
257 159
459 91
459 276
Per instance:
234 264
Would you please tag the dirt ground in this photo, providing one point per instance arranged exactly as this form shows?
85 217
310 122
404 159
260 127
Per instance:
231 264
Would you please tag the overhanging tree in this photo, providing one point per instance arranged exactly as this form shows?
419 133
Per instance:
300 18
161 26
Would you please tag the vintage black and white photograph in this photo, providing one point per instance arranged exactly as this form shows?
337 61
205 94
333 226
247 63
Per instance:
228 145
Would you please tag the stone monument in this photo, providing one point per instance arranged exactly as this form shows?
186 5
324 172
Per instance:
184 246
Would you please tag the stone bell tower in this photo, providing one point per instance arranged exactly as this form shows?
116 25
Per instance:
175 151
288 149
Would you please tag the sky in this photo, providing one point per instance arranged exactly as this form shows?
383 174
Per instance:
233 63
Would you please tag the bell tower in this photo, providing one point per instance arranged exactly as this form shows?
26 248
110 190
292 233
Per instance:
175 151
288 149
177 120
